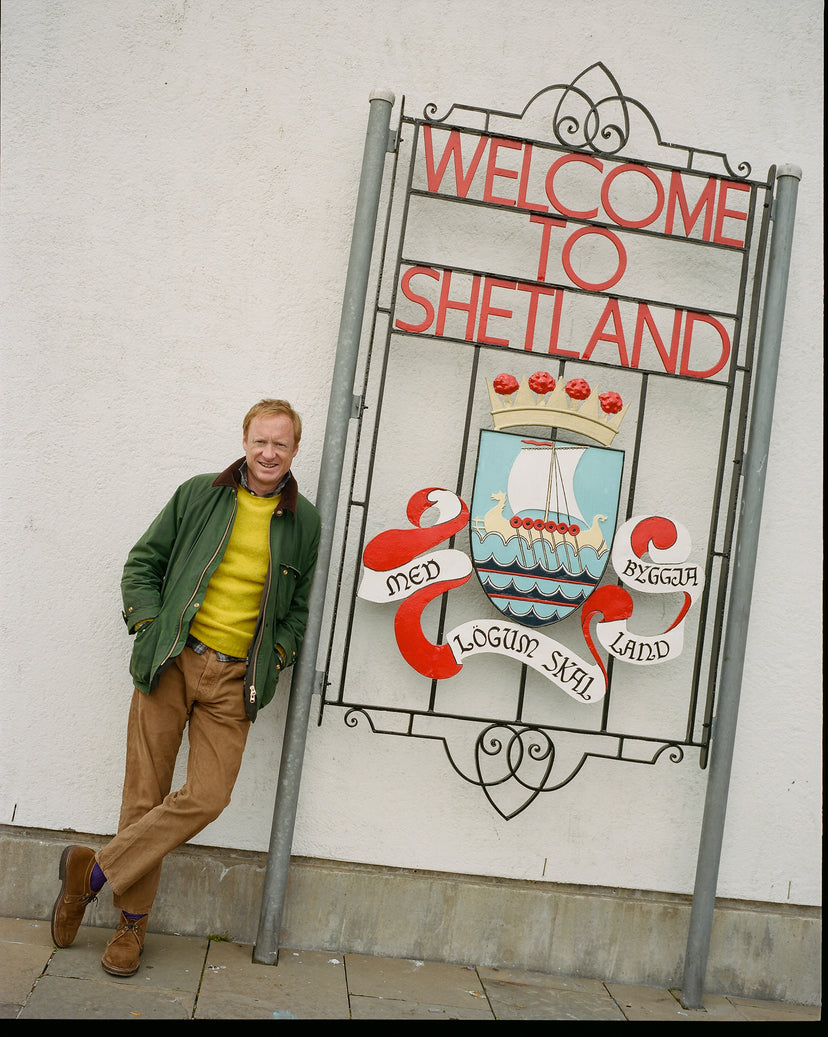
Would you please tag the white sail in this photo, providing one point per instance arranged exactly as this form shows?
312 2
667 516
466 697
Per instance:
542 479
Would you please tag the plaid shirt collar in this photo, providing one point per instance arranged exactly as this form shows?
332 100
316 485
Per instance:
243 480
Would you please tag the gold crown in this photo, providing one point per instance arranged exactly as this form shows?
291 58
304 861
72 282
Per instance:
556 408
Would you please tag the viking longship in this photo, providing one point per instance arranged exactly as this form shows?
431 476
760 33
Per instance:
544 511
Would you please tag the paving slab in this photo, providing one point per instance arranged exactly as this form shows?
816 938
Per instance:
647 1004
775 1011
19 967
405 988
33 932
518 994
302 985
75 986
430 985
25 950
61 997
168 962
363 1007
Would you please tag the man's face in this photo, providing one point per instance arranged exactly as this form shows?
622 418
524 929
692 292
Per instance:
270 447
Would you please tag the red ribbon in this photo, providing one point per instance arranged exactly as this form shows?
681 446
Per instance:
396 547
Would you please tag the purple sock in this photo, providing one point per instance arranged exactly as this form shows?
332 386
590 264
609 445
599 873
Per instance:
133 917
97 878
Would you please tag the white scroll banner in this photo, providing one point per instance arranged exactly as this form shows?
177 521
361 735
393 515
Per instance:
581 680
398 584
666 573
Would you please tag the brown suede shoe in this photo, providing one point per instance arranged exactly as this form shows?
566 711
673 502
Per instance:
75 870
122 954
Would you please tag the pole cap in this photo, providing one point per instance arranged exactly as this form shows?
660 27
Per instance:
382 95
789 170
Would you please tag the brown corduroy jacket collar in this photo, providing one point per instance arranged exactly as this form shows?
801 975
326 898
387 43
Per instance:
232 477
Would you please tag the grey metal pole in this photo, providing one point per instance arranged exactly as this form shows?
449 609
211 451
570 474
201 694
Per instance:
727 707
340 407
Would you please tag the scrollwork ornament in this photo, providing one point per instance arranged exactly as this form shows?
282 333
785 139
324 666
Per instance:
354 717
592 113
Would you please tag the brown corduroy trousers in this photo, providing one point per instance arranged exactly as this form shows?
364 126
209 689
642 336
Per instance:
205 695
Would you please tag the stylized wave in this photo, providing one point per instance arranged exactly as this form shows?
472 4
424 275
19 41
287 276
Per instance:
535 590
562 562
532 616
493 569
555 594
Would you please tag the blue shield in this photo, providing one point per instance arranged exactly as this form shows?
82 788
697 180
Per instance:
543 517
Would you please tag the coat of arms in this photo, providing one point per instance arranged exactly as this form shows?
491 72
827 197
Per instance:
542 528
544 512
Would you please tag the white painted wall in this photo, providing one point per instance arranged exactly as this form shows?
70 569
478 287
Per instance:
178 184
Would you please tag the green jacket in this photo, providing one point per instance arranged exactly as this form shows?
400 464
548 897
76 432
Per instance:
168 570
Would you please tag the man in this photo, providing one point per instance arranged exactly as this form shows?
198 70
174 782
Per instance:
216 593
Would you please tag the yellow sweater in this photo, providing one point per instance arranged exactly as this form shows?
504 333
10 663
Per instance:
227 617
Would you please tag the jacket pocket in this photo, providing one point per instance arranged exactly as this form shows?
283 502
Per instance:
143 652
287 577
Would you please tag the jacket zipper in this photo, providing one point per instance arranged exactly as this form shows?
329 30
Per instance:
198 583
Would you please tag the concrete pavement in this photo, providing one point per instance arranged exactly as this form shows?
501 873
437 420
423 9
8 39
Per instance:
184 977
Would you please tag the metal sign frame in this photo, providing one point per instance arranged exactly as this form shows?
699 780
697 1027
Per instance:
564 744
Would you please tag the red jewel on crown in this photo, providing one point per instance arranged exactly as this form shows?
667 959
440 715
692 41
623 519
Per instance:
540 400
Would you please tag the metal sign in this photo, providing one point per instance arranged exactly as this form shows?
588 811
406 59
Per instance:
541 505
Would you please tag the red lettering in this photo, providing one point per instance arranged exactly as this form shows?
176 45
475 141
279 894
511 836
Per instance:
611 312
589 285
535 291
589 214
707 217
645 318
704 318
492 170
446 304
524 180
650 175
548 222
676 194
687 351
486 310
722 213
453 149
553 332
409 293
